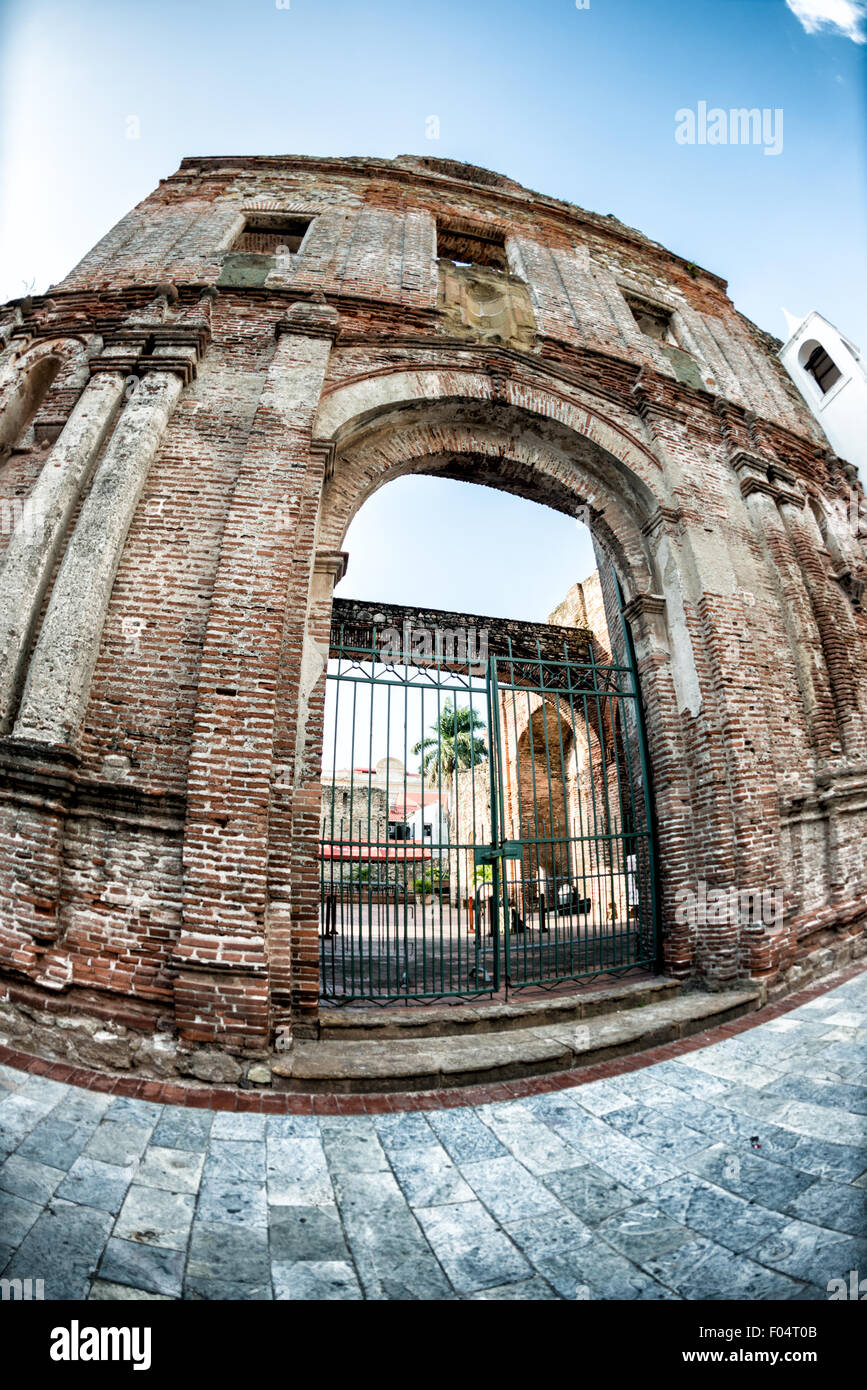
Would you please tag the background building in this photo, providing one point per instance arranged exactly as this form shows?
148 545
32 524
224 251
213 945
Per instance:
831 375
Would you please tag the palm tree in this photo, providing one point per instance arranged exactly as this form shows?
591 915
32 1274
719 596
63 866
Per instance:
452 744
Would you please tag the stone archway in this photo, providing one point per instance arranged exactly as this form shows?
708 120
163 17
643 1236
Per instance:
536 451
27 379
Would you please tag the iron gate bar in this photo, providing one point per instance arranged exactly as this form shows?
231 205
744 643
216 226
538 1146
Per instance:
377 944
618 853
362 966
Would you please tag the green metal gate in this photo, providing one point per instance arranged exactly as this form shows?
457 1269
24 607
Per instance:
486 819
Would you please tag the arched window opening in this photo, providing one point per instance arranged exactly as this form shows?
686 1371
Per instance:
820 365
25 402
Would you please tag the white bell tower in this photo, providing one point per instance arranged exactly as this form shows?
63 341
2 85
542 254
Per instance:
831 375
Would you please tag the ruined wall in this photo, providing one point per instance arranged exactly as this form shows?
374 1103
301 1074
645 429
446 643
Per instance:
584 606
215 419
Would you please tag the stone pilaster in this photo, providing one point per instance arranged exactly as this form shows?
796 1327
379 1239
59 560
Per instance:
833 616
32 552
58 680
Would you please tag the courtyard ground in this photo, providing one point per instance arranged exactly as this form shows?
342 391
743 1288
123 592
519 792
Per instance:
738 1170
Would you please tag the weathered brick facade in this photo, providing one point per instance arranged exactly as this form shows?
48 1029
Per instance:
187 430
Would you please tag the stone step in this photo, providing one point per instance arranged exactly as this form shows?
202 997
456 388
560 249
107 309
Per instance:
433 1063
441 1021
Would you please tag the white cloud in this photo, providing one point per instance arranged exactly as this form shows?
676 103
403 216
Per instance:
845 17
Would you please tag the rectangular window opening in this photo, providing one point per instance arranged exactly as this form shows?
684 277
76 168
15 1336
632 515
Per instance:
272 236
657 322
471 247
653 320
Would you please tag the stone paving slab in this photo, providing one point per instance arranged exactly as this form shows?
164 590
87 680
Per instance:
734 1170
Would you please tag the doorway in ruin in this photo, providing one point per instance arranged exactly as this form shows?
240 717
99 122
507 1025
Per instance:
486 818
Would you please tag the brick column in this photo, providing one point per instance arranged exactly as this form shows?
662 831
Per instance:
36 541
733 795
221 990
293 870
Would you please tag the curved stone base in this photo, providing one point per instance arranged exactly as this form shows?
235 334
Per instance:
534 1039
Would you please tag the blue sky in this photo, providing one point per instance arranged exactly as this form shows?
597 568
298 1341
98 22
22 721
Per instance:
577 103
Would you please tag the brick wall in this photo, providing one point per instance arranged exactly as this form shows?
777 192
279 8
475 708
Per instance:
161 866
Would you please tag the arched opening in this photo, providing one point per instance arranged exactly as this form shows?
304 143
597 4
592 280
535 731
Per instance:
485 804
486 426
30 391
820 365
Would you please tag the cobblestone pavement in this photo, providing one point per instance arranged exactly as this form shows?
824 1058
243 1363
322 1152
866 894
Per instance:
739 1171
